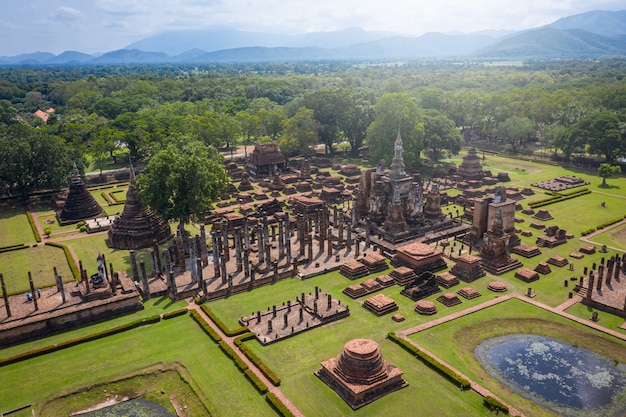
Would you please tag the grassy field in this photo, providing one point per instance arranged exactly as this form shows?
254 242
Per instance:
225 391
455 341
14 227
615 237
39 260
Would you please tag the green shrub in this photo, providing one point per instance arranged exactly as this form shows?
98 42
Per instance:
76 341
610 222
31 221
256 381
13 247
47 231
244 338
83 229
205 326
430 361
225 329
232 355
175 313
494 405
278 405
70 259
588 231
80 224
198 300
269 374
558 197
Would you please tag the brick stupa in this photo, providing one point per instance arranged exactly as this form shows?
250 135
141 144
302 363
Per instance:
360 374
79 204
137 226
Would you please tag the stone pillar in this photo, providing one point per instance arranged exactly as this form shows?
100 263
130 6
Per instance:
591 282
144 280
261 245
224 274
357 251
318 216
330 241
114 280
238 249
32 291
6 296
355 218
349 238
246 263
171 282
180 253
335 216
216 255
133 264
368 229
226 250
199 271
281 240
310 248
252 276
158 265
204 251
301 234
166 258
268 247
288 246
273 232
192 259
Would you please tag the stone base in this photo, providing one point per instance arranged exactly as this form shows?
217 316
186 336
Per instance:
501 269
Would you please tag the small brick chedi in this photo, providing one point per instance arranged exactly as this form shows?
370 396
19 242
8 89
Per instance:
360 374
137 226
79 204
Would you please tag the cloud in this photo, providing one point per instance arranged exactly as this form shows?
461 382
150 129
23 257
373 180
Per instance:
66 13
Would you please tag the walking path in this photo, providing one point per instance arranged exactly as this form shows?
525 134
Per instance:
230 341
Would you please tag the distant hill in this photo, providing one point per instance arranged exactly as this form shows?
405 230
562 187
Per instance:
550 43
602 22
595 34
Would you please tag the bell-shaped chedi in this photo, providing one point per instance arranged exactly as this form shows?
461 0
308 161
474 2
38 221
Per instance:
137 226
79 204
360 374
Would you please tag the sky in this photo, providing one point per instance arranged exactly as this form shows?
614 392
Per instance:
93 26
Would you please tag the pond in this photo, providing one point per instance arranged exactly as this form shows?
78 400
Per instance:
563 378
133 408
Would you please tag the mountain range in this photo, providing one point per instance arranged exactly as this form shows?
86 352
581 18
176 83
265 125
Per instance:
590 35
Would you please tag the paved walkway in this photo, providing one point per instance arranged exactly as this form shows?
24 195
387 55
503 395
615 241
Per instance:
230 341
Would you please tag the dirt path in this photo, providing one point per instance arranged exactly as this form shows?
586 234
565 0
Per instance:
230 341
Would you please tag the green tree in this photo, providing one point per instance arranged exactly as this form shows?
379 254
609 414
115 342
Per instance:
33 160
440 133
516 130
300 133
607 171
603 133
329 105
356 118
8 113
182 181
393 111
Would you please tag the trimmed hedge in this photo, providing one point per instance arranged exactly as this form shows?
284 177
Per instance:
12 248
31 221
269 374
494 405
258 384
558 197
114 196
70 259
79 340
175 313
278 405
244 338
603 225
430 361
205 326
232 355
223 327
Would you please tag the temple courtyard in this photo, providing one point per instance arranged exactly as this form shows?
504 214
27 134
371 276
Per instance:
547 306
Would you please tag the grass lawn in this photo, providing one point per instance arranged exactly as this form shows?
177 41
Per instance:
39 260
455 341
295 359
607 320
14 227
152 307
615 237
225 391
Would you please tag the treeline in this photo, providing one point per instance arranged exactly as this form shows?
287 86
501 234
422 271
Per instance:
569 107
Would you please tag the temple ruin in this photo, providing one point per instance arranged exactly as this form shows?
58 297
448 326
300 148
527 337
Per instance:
79 203
360 374
137 226
266 159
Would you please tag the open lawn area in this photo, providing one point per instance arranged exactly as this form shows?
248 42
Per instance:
455 341
39 261
225 391
614 237
14 227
